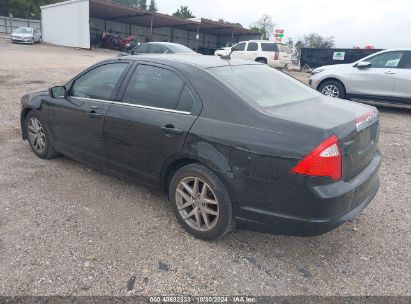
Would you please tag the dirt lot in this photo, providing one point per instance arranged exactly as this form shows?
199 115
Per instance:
67 229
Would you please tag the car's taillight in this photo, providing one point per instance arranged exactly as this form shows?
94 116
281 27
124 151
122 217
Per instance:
325 160
276 55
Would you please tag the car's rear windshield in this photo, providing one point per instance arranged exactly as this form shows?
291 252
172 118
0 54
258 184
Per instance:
177 48
263 85
24 30
284 48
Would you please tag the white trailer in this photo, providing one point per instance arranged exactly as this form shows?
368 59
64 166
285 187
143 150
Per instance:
66 23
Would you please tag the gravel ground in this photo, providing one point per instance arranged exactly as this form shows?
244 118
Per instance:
68 229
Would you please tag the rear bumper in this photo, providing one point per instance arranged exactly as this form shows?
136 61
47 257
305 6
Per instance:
278 64
317 210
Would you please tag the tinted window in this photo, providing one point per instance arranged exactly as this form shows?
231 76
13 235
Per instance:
141 49
98 83
239 47
186 102
263 85
269 47
154 87
385 60
252 46
156 49
178 48
407 62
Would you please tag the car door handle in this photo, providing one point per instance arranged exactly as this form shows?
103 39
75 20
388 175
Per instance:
94 115
169 129
389 73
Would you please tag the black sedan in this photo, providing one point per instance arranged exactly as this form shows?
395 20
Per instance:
229 142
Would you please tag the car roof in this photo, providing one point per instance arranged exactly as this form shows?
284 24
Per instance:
202 61
264 41
163 43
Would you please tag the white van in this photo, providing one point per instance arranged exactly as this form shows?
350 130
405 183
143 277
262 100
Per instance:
274 54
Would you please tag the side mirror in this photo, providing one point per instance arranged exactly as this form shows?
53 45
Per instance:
58 92
363 64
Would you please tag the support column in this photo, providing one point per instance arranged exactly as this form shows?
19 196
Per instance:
151 28
197 36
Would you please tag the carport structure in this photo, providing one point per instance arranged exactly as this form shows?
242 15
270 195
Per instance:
99 16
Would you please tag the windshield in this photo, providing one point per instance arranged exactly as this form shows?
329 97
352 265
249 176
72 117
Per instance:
24 30
178 48
263 85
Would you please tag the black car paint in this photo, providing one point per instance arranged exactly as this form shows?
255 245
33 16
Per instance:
251 151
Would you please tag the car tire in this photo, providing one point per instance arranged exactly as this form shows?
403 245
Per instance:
32 41
38 137
208 221
332 88
261 60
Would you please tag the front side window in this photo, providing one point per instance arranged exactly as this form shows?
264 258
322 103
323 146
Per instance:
239 47
141 49
262 85
386 60
156 49
154 87
252 47
99 83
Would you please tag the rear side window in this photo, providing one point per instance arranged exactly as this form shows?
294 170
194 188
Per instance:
407 61
252 47
239 47
99 83
154 87
186 102
269 47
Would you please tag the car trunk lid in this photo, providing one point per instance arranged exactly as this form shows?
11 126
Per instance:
356 126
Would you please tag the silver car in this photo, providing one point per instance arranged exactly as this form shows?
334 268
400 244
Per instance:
26 35
382 77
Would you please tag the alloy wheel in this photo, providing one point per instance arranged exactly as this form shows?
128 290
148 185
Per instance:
331 90
36 135
197 203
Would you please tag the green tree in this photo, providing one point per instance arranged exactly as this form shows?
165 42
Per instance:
314 40
184 12
153 6
142 4
23 8
265 26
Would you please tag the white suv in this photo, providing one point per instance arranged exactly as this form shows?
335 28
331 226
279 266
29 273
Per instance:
274 54
382 77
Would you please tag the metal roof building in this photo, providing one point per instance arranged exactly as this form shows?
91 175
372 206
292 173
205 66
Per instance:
77 23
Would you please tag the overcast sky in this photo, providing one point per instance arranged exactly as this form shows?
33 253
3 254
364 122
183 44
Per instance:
382 23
